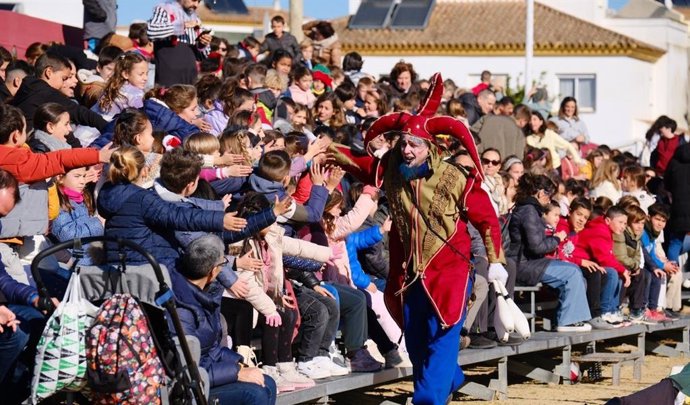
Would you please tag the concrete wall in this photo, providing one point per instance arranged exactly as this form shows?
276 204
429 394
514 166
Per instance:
625 103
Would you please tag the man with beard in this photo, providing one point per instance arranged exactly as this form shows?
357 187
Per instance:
431 203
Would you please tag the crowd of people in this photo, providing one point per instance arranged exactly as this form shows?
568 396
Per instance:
237 167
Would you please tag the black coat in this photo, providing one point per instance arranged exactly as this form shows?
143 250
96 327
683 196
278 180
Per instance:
677 181
471 105
35 92
528 241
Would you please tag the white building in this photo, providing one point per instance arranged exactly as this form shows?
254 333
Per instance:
624 71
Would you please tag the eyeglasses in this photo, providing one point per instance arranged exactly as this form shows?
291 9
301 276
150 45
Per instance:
491 162
223 263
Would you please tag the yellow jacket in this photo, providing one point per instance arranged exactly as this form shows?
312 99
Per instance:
552 141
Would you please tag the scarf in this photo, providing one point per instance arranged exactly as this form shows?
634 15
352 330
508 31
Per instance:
416 172
50 141
72 194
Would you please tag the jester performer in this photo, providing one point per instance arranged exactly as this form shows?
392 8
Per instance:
431 202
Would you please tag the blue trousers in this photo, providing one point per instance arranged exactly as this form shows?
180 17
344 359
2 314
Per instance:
246 393
652 290
678 243
572 295
433 350
610 292
11 346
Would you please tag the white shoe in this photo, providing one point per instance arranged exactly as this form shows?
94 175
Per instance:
282 384
313 369
289 372
613 317
332 367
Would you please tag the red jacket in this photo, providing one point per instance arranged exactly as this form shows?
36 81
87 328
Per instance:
29 167
595 243
665 150
567 246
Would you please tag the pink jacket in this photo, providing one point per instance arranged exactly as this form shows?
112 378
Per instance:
340 272
303 97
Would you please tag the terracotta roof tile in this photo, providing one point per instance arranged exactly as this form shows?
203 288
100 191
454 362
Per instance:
494 27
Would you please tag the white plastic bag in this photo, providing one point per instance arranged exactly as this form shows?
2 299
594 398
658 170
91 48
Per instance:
61 351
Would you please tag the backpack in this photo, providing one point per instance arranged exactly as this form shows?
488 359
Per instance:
123 366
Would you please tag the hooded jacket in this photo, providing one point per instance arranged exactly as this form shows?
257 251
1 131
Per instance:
677 181
35 92
595 243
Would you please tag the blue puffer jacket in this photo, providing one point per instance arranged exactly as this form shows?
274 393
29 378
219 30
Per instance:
141 216
162 119
74 224
199 313
358 241
14 291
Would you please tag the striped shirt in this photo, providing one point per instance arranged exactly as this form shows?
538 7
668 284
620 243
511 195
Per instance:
169 19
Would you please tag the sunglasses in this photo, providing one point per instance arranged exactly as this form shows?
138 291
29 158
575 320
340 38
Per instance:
491 162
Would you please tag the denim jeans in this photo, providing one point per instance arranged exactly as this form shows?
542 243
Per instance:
320 319
245 393
353 313
610 292
678 243
11 346
567 279
652 290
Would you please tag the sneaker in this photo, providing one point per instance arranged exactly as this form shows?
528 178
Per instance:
613 317
362 362
600 323
481 342
640 317
289 372
326 363
575 327
312 369
393 359
656 316
282 384
672 315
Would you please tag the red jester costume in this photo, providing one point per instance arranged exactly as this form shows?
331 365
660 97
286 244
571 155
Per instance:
431 202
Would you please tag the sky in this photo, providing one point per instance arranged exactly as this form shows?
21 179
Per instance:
131 10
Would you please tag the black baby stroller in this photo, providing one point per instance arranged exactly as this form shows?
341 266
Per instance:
156 300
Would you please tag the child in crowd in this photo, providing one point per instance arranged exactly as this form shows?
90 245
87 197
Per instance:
92 82
633 183
271 294
77 218
658 216
628 251
601 268
552 216
593 161
126 86
300 90
307 50
346 94
605 181
347 271
51 128
133 128
580 211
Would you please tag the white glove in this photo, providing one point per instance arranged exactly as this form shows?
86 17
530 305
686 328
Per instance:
498 272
